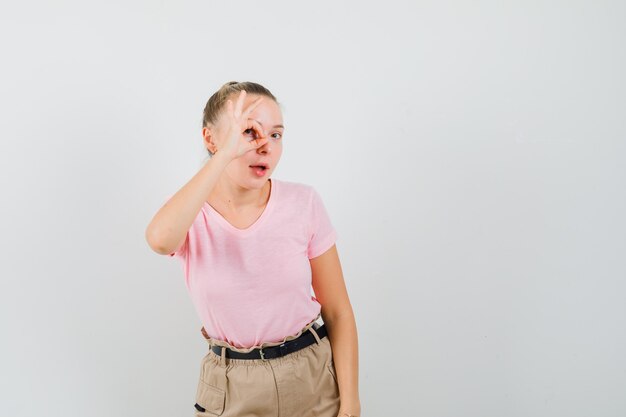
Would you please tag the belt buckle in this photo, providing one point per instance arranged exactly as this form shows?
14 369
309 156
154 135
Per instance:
261 353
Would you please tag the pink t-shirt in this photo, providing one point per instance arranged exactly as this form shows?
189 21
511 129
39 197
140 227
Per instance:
253 285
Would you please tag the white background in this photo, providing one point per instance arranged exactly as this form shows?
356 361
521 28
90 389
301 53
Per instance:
470 155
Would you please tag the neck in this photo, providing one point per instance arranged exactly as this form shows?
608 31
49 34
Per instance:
237 198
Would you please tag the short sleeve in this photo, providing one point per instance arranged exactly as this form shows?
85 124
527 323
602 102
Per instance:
322 233
180 252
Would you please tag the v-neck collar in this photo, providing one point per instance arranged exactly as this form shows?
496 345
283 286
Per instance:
243 232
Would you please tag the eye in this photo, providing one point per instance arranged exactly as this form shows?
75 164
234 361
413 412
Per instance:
250 132
279 135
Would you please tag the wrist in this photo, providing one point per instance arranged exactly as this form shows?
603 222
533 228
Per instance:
350 410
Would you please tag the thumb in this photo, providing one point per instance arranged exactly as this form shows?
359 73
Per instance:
257 143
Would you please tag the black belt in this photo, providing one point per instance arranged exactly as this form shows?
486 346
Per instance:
304 340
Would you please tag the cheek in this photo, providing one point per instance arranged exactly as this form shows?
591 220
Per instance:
277 152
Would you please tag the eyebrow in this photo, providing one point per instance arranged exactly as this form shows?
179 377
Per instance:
275 126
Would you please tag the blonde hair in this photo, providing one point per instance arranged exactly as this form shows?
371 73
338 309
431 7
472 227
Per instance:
217 101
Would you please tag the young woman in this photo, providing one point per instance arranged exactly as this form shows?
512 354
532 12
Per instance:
252 247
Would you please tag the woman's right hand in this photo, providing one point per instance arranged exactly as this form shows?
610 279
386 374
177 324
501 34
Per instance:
236 143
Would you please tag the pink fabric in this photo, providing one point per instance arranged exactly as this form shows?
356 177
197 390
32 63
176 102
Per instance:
253 285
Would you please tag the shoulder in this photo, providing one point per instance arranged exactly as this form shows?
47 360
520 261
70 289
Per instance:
294 190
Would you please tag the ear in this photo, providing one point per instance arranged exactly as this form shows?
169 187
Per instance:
208 136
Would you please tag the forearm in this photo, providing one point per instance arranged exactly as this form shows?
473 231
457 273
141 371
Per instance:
342 333
171 223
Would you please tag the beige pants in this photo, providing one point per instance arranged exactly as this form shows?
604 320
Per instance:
299 384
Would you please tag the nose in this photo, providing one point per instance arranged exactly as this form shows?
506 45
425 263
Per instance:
266 147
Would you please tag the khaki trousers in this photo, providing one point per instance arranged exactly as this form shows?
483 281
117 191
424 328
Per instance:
299 384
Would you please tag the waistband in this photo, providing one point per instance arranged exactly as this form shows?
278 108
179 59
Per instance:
312 335
217 342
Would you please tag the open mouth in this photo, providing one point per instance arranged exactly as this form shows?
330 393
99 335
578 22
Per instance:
259 170
263 167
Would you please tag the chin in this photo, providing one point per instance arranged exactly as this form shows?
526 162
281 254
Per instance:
257 183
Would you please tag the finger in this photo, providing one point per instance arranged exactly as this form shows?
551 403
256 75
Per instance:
253 124
253 105
229 107
257 143
240 100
